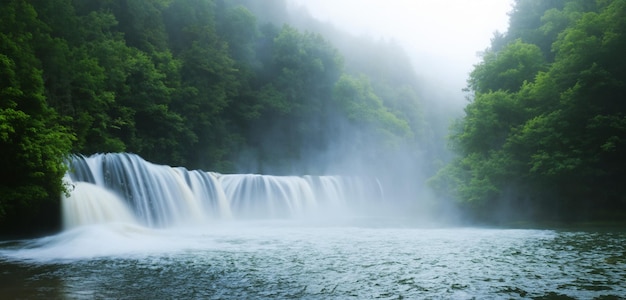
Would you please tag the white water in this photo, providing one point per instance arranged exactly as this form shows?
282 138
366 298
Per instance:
359 259
143 231
110 187
90 204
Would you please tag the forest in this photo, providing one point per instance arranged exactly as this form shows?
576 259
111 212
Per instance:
544 134
234 86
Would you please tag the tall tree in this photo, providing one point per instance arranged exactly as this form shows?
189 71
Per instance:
545 136
32 143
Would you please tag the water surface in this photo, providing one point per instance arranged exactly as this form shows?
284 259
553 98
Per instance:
289 259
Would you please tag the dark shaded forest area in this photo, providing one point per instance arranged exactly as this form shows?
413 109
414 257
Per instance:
234 86
201 84
544 135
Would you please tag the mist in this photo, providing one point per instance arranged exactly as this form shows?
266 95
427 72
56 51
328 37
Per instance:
444 39
429 46
254 149
278 88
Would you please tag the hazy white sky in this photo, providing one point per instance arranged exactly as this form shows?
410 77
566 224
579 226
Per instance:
442 36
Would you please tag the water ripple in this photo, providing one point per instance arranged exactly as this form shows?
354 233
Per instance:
269 261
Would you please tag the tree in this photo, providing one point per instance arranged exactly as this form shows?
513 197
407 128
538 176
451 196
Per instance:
507 69
546 136
32 143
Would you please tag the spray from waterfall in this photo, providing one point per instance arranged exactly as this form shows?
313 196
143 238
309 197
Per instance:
122 187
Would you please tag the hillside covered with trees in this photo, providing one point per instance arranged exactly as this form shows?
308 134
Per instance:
234 86
544 134
204 84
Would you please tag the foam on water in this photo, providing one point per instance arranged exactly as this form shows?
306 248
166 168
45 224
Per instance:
150 231
293 258
89 242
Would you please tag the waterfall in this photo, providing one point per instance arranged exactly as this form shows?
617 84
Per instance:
91 204
122 187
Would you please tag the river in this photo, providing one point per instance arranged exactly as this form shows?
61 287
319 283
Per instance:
358 259
137 230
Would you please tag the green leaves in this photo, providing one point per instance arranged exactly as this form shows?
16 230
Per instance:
552 129
33 144
362 106
507 69
191 82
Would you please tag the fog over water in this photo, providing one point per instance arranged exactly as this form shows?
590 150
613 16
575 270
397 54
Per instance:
367 226
443 38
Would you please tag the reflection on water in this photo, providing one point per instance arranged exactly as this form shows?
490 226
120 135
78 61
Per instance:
294 260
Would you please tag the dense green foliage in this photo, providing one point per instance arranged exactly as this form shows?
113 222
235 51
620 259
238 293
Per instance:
234 86
198 83
544 134
33 143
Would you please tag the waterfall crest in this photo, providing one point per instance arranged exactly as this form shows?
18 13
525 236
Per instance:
122 187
